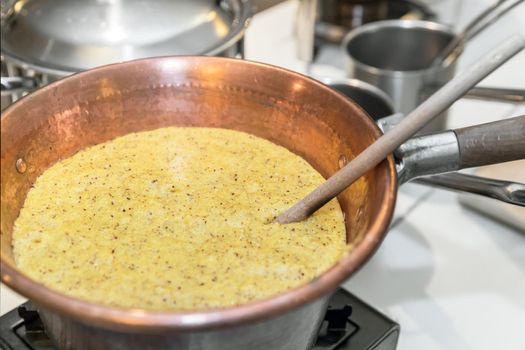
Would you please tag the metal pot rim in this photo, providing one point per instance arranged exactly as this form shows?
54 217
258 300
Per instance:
137 320
243 20
363 85
394 23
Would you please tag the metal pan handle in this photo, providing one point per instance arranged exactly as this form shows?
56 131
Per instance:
497 94
485 93
453 150
13 85
505 191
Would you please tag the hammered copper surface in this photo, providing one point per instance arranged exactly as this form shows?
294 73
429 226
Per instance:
287 108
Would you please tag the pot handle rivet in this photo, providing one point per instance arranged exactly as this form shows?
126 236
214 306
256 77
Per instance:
21 165
342 161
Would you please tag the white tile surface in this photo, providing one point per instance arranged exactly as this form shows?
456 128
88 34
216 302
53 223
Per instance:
447 274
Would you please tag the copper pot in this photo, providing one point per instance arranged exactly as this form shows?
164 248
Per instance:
307 117
303 115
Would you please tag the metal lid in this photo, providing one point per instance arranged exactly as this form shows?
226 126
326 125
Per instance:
65 36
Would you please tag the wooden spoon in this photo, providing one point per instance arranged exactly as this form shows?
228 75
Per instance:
413 122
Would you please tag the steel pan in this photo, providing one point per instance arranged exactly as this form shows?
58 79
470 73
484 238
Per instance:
45 40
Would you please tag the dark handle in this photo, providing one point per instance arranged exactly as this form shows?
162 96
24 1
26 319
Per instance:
491 143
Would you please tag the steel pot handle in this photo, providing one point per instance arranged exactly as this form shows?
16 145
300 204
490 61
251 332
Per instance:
497 94
12 85
452 150
485 93
463 148
505 191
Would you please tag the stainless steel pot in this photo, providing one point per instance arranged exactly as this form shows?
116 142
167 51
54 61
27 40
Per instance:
328 21
303 115
395 56
45 40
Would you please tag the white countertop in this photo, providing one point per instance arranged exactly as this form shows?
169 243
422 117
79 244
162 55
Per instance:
451 277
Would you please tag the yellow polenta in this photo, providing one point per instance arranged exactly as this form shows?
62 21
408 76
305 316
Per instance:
175 219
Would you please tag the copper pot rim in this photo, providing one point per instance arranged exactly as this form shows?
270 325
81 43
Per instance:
133 320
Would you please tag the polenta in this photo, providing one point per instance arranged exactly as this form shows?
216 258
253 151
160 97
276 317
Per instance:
175 219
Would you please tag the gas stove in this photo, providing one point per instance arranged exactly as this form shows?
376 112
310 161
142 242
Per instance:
349 323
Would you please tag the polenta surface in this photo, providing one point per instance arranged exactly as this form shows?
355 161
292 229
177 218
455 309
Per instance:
175 219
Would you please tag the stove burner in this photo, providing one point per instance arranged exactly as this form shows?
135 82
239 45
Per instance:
21 328
336 328
349 323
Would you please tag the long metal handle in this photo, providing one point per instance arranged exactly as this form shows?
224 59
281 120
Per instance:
12 85
455 47
497 94
490 17
439 153
505 191
456 149
452 150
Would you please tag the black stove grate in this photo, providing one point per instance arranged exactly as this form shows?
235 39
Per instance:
349 324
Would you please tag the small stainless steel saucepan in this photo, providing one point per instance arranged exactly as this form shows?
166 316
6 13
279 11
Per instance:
396 57
301 114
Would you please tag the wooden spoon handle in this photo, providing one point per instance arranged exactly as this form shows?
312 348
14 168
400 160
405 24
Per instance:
413 122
